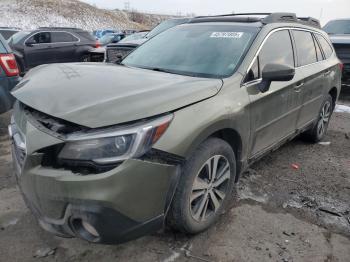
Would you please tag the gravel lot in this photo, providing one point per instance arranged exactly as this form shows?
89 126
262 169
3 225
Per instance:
282 213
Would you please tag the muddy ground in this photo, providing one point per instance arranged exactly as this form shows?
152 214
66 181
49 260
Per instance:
283 213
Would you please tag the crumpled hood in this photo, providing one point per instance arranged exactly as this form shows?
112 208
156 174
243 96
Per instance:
97 95
340 39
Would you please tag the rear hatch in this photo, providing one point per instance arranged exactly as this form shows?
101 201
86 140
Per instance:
341 45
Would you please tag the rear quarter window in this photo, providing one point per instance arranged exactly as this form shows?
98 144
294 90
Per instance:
87 36
327 48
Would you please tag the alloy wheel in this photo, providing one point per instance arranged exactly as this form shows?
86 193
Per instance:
324 119
210 188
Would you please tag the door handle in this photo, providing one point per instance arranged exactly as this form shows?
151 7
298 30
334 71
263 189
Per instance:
298 86
327 73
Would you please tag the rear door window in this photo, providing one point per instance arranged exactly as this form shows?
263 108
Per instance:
62 37
318 51
327 49
305 47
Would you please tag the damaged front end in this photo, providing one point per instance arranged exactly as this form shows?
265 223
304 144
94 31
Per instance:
105 185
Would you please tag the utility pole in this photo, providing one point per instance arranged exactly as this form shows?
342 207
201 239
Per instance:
321 13
127 6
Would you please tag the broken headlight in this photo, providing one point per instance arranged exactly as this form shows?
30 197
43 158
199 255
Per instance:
114 145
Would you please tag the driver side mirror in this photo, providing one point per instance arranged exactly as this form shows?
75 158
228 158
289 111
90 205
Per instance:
275 73
30 43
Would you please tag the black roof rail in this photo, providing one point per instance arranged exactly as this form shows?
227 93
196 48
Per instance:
238 14
280 17
57 27
268 19
10 27
237 19
310 21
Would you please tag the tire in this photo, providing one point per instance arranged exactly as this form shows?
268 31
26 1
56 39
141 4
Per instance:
199 213
319 130
85 58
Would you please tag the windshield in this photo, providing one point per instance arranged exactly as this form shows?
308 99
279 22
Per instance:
132 37
165 26
338 27
201 50
16 38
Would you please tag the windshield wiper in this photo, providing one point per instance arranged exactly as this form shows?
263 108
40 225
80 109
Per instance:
157 69
175 72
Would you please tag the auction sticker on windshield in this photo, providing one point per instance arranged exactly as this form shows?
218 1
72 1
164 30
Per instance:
227 34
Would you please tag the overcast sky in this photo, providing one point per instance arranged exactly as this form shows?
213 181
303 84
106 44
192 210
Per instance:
324 9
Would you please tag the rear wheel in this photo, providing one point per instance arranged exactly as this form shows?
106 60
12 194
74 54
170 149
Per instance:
204 188
319 130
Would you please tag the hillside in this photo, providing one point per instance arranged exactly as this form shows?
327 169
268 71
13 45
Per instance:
30 14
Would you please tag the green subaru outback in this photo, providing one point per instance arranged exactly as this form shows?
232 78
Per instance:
110 152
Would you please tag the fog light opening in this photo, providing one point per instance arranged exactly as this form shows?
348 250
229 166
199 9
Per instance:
85 230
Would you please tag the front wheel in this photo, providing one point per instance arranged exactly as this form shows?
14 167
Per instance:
85 58
319 130
205 187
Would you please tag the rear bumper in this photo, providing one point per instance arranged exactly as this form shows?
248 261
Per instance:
6 99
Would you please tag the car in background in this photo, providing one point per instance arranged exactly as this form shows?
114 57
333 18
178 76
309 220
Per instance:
111 38
116 52
130 31
7 32
48 45
9 75
101 32
135 36
339 32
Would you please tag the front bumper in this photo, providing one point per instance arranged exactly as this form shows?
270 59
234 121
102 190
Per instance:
122 204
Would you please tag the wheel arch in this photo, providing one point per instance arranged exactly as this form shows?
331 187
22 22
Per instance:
82 50
333 92
226 131
233 138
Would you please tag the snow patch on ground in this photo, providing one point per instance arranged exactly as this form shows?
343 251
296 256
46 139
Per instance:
175 255
342 109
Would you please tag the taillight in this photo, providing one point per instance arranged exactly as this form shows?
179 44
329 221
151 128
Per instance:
341 66
8 63
97 44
